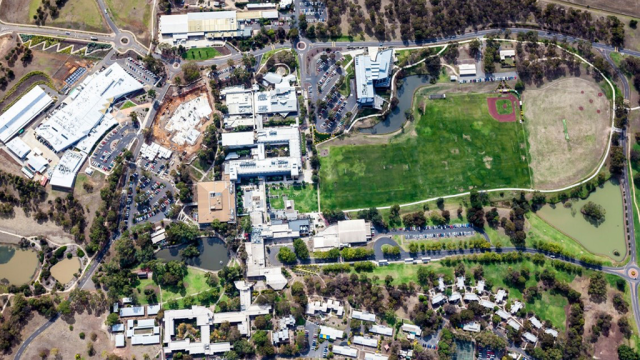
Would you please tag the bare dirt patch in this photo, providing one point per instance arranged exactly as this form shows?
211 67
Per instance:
606 346
555 161
34 321
487 161
57 66
69 343
162 136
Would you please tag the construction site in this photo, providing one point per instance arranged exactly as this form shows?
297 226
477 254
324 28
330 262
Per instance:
182 120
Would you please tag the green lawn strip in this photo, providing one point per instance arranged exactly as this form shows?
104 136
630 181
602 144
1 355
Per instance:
305 197
269 54
200 54
636 189
540 230
143 284
616 58
456 146
128 104
405 273
555 313
194 283
224 297
347 59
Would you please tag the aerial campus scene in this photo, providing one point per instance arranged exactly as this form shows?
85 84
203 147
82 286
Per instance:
301 179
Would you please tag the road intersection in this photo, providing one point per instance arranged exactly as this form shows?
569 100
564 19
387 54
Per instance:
124 41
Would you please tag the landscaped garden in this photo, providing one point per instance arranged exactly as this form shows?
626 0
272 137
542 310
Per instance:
305 196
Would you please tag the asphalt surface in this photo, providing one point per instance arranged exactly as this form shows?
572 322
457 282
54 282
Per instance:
26 343
124 41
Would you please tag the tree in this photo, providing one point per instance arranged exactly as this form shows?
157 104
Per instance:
151 93
286 256
593 212
633 23
474 47
112 319
598 287
424 275
177 80
519 86
627 353
300 248
191 72
64 307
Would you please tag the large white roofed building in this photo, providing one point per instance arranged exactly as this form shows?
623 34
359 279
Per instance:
372 72
67 126
64 174
22 112
200 25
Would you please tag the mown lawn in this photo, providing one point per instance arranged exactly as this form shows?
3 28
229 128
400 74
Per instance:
127 104
194 283
456 146
305 197
200 54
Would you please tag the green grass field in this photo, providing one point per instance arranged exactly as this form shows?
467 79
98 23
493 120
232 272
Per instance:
128 104
305 197
194 283
456 146
75 14
200 54
504 106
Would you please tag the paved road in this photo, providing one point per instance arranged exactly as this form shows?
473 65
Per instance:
26 343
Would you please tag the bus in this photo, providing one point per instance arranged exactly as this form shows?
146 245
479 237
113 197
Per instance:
426 259
409 260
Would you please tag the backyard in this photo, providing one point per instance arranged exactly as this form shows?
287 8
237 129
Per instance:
456 146
305 197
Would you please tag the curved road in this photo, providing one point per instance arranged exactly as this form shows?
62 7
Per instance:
32 337
132 44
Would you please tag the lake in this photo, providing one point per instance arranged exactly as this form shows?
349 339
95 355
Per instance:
396 118
602 239
17 266
64 269
213 254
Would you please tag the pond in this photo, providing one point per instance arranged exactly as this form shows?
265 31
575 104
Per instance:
64 269
606 238
17 266
396 118
213 254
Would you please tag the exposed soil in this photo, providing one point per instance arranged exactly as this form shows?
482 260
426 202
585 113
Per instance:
69 343
171 103
556 161
34 321
493 110
57 66
606 346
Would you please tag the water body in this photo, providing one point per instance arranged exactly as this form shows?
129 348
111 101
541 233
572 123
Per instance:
602 239
213 254
396 118
17 266
64 269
